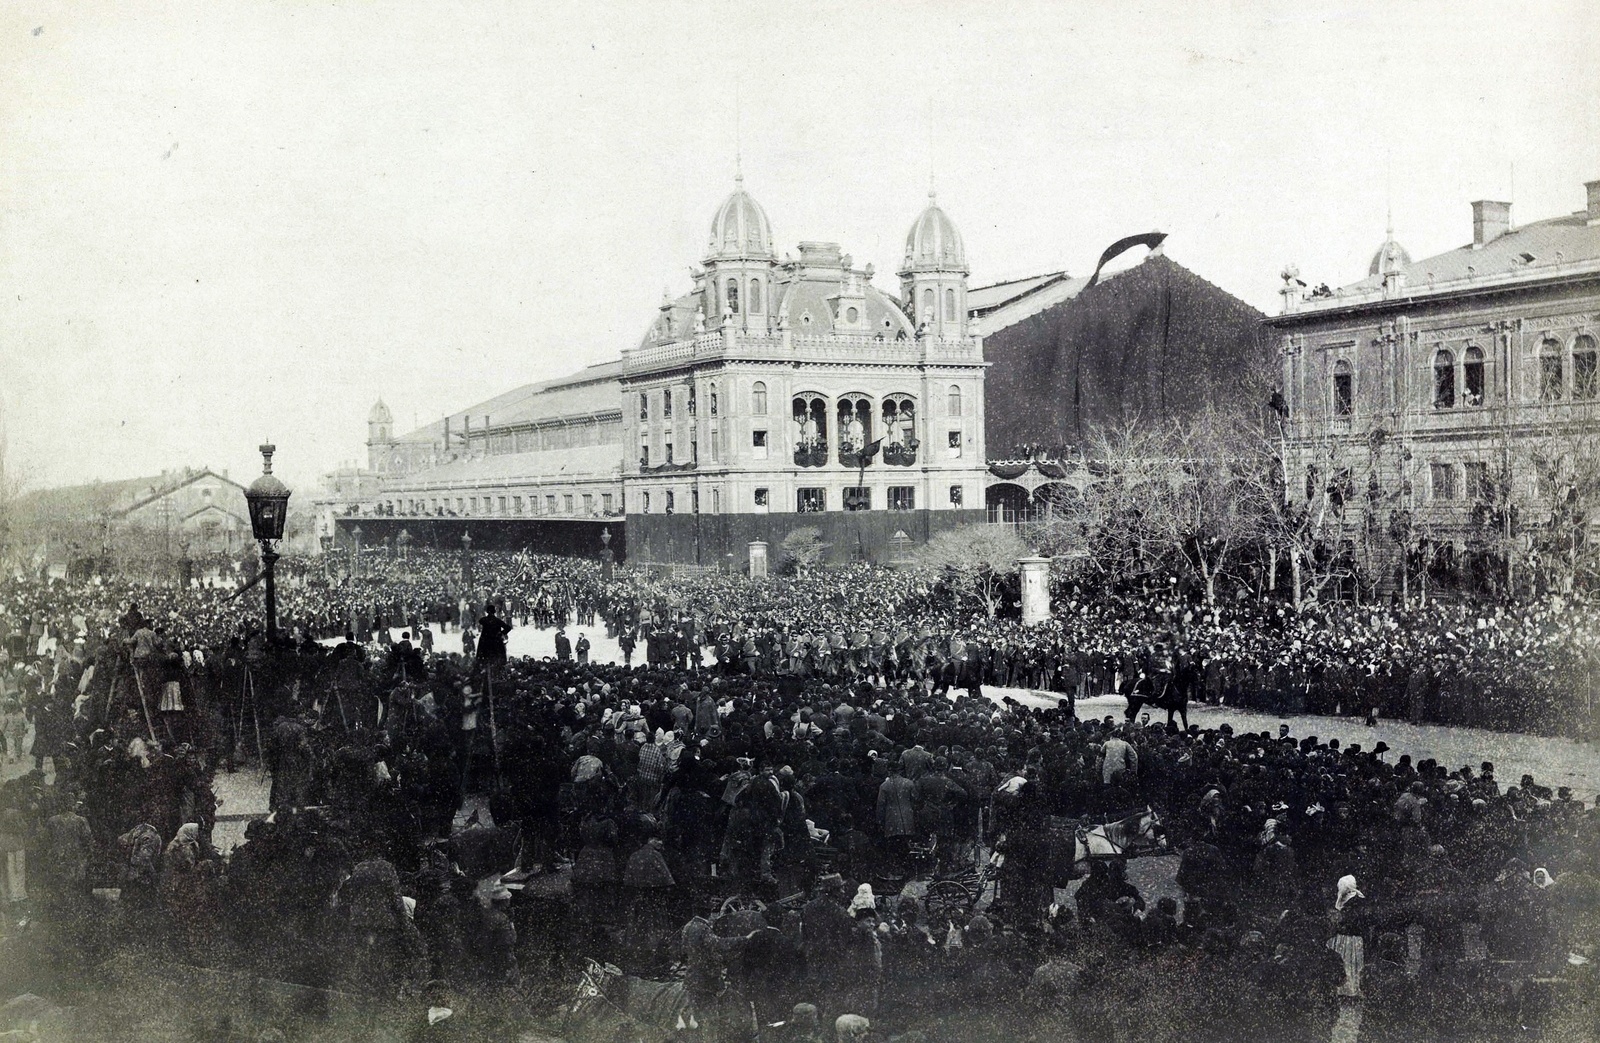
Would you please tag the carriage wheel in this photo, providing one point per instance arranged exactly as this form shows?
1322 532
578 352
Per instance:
743 903
947 899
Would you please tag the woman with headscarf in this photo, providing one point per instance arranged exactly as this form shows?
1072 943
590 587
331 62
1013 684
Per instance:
1348 916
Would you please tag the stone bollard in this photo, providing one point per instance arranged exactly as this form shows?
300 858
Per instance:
758 559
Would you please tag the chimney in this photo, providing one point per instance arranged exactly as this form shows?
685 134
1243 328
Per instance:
1490 220
1594 201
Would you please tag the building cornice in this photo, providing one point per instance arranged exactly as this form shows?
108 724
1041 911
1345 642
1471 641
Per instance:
1409 302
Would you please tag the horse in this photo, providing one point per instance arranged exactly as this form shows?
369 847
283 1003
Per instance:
1169 696
1140 833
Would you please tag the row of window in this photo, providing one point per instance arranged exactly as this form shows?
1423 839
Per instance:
807 501
928 305
758 400
1445 485
1457 386
730 297
666 402
509 505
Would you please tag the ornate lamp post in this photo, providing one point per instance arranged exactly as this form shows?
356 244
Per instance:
268 499
466 557
404 539
355 559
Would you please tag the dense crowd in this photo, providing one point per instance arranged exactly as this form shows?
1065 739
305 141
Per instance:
799 807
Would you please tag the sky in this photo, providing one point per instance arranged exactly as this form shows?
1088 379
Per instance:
226 222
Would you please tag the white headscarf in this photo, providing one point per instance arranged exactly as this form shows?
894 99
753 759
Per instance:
1347 891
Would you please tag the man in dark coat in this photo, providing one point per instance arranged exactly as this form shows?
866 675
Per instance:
492 638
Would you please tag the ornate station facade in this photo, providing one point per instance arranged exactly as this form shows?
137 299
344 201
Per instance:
774 394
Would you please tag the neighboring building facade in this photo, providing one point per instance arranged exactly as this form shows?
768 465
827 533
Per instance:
190 511
1458 391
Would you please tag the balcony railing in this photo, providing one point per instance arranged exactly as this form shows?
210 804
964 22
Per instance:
900 455
799 346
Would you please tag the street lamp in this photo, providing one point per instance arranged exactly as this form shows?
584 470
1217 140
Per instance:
404 539
268 499
466 557
355 559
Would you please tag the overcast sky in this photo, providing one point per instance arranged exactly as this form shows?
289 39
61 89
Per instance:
222 221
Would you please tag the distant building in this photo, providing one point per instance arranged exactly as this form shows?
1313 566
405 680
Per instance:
187 512
1456 393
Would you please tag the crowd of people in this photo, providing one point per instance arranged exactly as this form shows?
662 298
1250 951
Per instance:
799 804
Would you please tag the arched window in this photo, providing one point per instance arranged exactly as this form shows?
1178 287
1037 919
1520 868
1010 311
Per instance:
928 312
811 430
855 426
899 430
1585 376
1472 376
1551 382
733 296
1343 391
949 306
952 405
1444 380
755 296
758 398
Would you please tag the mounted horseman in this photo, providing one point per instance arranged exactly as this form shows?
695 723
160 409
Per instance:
1157 685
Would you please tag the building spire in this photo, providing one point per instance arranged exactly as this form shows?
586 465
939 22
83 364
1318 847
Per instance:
932 194
1388 192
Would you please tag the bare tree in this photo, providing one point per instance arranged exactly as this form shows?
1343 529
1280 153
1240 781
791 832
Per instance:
975 562
1118 528
1304 498
1564 460
1208 503
802 549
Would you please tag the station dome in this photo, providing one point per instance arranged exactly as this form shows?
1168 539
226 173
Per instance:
933 242
740 228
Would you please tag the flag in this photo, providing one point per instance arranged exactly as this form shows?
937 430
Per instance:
1150 240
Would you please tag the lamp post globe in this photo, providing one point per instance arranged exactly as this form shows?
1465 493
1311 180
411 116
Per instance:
268 500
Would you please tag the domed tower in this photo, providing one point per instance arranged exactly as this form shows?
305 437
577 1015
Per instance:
1390 262
933 277
380 436
739 264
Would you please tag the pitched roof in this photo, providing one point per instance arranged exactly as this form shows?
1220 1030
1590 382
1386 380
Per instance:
594 389
115 497
187 479
984 299
1541 250
1050 291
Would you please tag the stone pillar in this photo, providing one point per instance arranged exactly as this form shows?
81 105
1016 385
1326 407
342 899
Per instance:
758 559
1035 590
